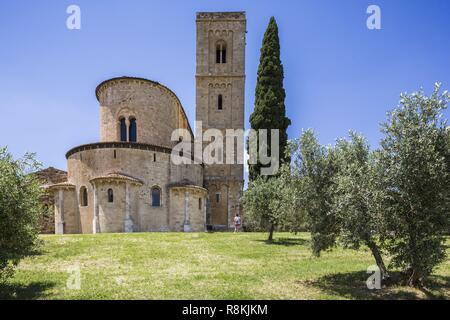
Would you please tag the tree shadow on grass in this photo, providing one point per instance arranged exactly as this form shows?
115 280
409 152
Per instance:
286 242
352 285
35 252
30 291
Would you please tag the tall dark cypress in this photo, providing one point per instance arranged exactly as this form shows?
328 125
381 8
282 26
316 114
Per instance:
270 112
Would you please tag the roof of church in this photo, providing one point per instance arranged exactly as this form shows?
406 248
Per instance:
64 184
184 183
50 169
117 145
118 176
50 176
224 15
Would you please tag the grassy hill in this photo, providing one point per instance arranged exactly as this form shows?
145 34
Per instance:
201 266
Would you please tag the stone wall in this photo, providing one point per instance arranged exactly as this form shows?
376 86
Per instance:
152 168
66 211
111 215
157 110
188 204
49 176
226 79
86 165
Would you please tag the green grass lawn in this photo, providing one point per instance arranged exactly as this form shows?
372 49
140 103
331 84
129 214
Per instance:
202 266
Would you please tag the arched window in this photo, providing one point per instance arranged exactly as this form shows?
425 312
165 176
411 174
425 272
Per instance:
221 52
123 130
133 130
83 197
220 102
110 195
156 197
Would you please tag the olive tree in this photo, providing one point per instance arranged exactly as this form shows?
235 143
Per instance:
315 167
336 187
414 183
20 207
267 202
353 204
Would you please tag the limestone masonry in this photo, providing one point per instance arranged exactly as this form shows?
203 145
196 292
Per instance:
127 181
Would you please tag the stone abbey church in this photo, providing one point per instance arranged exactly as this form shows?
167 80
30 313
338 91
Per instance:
127 181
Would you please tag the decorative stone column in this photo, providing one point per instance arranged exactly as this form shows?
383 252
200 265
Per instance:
205 211
127 125
95 222
128 223
187 220
59 227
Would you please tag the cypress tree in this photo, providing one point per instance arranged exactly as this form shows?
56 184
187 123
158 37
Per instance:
270 112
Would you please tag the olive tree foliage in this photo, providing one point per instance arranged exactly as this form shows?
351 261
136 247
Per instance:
314 168
20 207
336 187
355 190
268 203
394 200
414 183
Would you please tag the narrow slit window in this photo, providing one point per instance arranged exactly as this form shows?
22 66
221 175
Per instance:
217 197
156 197
110 195
199 203
83 197
220 102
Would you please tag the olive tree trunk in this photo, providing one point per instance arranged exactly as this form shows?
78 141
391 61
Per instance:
378 259
271 230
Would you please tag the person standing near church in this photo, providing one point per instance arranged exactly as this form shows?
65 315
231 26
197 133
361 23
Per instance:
237 223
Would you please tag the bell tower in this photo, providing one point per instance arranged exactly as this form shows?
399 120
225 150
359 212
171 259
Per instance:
220 91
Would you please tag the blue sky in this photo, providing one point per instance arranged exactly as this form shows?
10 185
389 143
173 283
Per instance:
338 74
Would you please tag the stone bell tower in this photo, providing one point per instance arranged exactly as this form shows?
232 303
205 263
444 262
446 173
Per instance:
220 85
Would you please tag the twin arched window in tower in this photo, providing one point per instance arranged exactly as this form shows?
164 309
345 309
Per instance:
221 52
128 129
221 57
